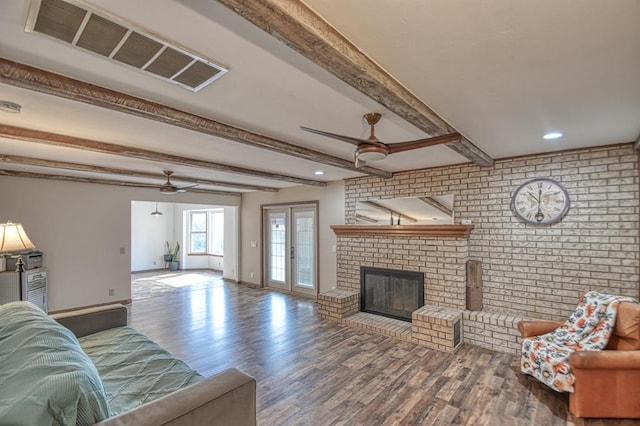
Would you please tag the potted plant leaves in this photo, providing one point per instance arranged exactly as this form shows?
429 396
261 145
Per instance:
171 255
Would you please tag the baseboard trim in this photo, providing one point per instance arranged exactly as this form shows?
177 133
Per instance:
248 284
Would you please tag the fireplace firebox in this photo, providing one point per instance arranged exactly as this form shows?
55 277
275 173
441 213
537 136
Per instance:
391 293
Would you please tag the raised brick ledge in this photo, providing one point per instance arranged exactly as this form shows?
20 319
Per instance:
433 327
445 315
337 294
493 331
338 303
492 318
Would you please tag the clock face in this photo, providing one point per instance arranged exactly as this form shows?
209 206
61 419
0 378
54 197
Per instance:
540 201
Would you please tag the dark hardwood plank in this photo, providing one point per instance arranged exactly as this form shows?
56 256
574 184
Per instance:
312 371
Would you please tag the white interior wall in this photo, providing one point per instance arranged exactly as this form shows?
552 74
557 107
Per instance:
149 234
330 212
81 229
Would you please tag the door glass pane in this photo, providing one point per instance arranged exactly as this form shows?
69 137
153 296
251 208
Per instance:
277 249
305 245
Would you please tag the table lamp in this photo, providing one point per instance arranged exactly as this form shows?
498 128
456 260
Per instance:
13 238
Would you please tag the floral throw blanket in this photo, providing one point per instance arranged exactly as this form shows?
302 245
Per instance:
546 357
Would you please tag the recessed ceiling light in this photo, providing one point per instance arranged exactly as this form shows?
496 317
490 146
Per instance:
552 135
318 172
11 107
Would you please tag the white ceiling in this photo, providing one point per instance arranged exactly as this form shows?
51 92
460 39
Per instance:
501 72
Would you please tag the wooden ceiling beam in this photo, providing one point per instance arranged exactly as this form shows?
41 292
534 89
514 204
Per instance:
38 80
37 136
300 28
436 205
38 162
107 182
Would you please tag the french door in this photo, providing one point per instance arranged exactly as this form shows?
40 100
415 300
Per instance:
290 249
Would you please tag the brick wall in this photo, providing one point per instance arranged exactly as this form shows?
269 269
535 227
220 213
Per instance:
528 271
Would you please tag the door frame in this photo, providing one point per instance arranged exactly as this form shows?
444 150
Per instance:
263 207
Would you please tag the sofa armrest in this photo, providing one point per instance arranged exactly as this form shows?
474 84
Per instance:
228 398
537 327
91 320
605 360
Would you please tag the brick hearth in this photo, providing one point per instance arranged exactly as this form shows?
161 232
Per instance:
431 326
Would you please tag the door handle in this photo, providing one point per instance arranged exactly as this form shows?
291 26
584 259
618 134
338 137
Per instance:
292 252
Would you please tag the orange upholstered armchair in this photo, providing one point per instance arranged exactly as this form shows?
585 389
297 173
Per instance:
608 381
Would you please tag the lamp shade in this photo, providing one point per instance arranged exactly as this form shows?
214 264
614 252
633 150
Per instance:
13 238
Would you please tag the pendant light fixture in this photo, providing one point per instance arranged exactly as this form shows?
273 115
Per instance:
156 213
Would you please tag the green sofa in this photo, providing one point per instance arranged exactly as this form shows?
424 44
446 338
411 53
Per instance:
88 367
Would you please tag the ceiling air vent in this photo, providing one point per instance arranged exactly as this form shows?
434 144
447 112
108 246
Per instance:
101 33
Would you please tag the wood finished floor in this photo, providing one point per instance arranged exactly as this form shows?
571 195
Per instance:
312 371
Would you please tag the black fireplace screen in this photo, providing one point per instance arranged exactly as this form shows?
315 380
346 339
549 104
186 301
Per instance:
390 292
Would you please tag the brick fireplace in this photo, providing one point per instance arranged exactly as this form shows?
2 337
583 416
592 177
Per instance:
439 257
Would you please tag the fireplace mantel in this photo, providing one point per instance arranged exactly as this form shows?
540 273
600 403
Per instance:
431 231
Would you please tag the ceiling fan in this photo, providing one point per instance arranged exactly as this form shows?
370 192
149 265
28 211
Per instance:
372 149
169 188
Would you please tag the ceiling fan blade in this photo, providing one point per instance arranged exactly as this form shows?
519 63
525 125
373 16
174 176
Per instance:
185 187
348 139
358 162
422 143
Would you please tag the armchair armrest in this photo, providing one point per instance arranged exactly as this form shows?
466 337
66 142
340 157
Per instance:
91 320
606 360
537 327
228 398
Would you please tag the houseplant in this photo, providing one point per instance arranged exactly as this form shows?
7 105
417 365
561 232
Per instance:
171 255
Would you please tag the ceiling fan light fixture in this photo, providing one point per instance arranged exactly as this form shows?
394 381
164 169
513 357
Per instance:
371 153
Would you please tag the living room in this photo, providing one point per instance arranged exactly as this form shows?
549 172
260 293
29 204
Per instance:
60 154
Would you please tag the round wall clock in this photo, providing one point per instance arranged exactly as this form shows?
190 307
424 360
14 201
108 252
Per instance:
540 201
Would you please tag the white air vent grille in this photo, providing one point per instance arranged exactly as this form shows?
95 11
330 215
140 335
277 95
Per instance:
98 32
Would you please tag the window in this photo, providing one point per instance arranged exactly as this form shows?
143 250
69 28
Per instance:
216 239
206 232
198 236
